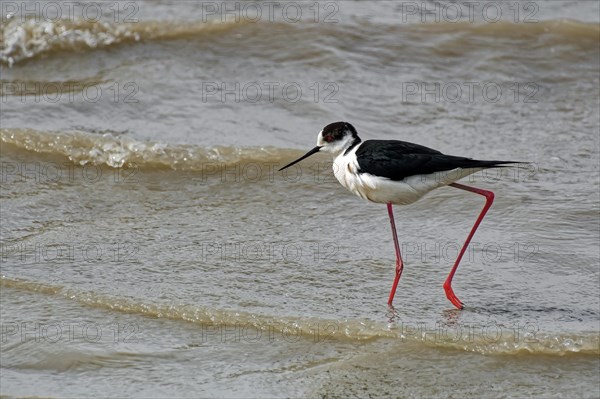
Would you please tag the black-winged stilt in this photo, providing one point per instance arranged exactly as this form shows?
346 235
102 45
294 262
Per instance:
396 172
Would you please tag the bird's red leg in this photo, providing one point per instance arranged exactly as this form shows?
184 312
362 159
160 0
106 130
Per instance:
399 264
489 198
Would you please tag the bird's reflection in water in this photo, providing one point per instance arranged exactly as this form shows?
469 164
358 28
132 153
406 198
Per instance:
451 317
392 314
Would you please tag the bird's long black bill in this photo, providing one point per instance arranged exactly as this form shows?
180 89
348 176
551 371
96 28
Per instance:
308 154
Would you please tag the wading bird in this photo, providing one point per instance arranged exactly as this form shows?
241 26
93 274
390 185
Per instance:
396 172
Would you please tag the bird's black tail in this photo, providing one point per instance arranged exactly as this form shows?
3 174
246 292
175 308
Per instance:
474 163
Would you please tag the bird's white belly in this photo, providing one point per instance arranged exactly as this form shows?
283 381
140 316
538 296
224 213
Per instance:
383 190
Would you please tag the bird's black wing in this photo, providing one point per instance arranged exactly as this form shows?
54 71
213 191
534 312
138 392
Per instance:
397 160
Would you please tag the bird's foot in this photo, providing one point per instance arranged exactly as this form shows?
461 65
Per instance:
392 313
452 297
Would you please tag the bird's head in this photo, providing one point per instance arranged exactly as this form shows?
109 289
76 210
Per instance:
334 138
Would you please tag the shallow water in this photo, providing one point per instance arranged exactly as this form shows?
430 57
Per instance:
151 248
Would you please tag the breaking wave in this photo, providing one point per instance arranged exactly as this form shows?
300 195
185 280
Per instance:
290 327
118 151
29 38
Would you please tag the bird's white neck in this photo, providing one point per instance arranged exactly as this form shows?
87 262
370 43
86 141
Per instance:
339 147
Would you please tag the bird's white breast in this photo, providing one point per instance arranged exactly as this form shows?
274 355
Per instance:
383 190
